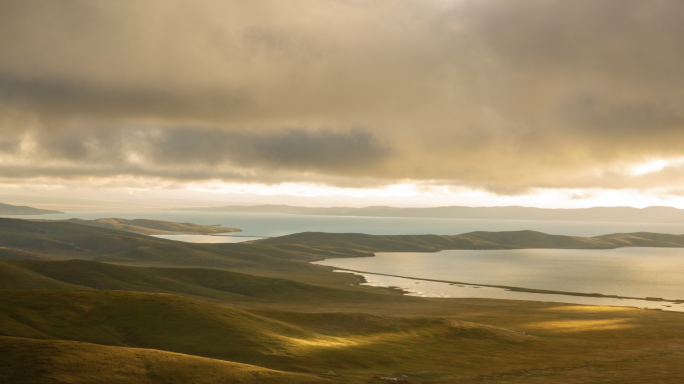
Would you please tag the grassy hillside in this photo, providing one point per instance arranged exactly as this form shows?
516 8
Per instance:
206 284
70 240
644 239
302 342
24 239
356 244
431 340
154 227
32 361
6 209
17 277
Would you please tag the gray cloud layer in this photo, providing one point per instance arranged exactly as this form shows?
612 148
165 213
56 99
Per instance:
505 95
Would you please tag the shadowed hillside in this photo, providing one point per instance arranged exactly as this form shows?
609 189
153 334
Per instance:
431 340
26 239
303 342
207 284
32 361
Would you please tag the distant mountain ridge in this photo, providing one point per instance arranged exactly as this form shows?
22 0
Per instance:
6 209
606 214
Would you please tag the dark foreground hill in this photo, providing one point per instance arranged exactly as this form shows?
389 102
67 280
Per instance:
113 336
6 209
34 361
293 341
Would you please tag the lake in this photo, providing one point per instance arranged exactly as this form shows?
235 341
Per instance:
211 239
638 272
267 225
629 272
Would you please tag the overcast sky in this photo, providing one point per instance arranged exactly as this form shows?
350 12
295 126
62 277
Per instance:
560 103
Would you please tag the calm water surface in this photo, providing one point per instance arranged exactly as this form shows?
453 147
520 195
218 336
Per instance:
266 225
213 239
632 272
638 272
424 288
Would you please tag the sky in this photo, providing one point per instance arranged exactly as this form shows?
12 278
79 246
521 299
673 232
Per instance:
345 102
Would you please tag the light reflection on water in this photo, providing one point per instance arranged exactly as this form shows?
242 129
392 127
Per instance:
213 239
424 288
264 224
631 272
627 272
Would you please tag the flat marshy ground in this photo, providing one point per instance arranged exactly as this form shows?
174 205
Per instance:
84 321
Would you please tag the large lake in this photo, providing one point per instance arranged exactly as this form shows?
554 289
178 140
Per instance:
631 272
264 225
636 272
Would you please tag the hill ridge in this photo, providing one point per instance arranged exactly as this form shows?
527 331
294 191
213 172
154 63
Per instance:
654 214
7 209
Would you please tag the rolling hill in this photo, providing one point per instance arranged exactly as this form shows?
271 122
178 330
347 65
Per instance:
356 244
73 320
204 284
40 240
65 240
154 227
75 334
33 361
293 341
6 209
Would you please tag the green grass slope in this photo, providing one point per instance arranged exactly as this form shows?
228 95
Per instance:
70 240
17 277
207 284
33 361
12 253
534 239
153 227
45 240
355 243
285 340
644 239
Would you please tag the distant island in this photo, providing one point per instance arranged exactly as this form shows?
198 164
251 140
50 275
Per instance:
609 214
6 209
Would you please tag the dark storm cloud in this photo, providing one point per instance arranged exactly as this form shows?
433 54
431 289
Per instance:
205 153
495 94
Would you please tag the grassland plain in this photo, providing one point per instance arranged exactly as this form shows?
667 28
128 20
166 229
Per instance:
60 311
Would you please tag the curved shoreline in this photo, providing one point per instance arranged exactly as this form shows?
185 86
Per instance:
520 289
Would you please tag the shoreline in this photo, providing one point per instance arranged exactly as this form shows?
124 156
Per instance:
504 287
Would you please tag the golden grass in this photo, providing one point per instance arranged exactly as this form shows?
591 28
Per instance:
69 362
